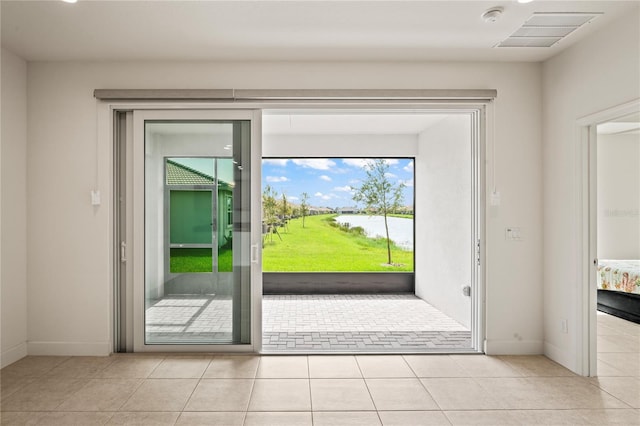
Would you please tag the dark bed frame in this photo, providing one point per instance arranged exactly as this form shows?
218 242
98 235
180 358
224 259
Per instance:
620 304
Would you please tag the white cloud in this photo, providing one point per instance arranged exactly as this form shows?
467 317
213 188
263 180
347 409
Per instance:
276 179
356 162
361 162
275 161
408 167
407 182
293 198
390 175
345 188
325 178
315 163
324 196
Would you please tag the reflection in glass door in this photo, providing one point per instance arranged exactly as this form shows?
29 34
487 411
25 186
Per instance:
197 254
200 219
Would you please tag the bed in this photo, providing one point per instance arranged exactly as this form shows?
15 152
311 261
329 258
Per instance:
619 288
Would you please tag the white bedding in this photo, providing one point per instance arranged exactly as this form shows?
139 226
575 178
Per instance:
619 275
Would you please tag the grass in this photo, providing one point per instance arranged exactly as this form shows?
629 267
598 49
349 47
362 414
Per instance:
404 216
199 260
320 247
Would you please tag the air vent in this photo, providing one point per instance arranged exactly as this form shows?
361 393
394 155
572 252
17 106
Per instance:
546 29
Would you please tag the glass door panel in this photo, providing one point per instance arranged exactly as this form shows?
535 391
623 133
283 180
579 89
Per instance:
197 268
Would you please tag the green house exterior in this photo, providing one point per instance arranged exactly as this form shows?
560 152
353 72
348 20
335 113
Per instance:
191 203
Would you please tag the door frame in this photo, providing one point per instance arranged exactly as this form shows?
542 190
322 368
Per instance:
587 230
134 309
482 104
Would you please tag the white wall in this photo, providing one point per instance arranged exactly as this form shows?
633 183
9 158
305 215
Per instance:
618 196
339 145
598 73
68 245
444 251
13 181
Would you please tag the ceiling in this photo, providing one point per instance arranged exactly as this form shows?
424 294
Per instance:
303 30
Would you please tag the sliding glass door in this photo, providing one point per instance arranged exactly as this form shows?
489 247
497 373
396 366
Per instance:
193 284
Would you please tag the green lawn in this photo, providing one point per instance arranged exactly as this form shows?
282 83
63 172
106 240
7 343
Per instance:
199 260
321 247
404 216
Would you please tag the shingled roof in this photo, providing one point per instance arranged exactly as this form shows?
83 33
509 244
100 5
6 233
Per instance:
179 174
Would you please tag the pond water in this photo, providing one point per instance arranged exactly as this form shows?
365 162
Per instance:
400 229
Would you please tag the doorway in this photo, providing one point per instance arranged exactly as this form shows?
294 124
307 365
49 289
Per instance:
609 212
331 283
618 244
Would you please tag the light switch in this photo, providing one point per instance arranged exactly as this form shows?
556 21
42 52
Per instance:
95 198
513 234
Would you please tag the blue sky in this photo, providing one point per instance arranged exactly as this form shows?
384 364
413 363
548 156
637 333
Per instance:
328 181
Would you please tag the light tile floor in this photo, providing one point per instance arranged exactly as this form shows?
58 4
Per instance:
327 389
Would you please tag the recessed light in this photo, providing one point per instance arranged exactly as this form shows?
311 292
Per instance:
70 1
525 1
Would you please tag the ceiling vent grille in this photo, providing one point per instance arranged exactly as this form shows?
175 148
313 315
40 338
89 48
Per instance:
546 29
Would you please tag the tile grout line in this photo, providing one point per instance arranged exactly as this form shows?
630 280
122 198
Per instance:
368 390
253 385
310 395
422 383
142 380
610 394
186 402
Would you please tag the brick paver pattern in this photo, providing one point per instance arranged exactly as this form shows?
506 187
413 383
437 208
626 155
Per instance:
314 323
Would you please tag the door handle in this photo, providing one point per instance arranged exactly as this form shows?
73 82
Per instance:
254 253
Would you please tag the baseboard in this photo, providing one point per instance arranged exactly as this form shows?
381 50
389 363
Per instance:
69 348
560 356
513 347
13 354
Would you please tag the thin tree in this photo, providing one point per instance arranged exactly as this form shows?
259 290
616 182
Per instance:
285 211
378 193
304 206
270 212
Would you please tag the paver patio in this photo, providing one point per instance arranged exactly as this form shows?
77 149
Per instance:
316 323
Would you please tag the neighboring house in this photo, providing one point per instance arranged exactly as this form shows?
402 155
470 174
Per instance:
319 210
348 210
406 210
191 202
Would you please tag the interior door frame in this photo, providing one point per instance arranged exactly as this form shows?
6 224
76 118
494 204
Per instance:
587 224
